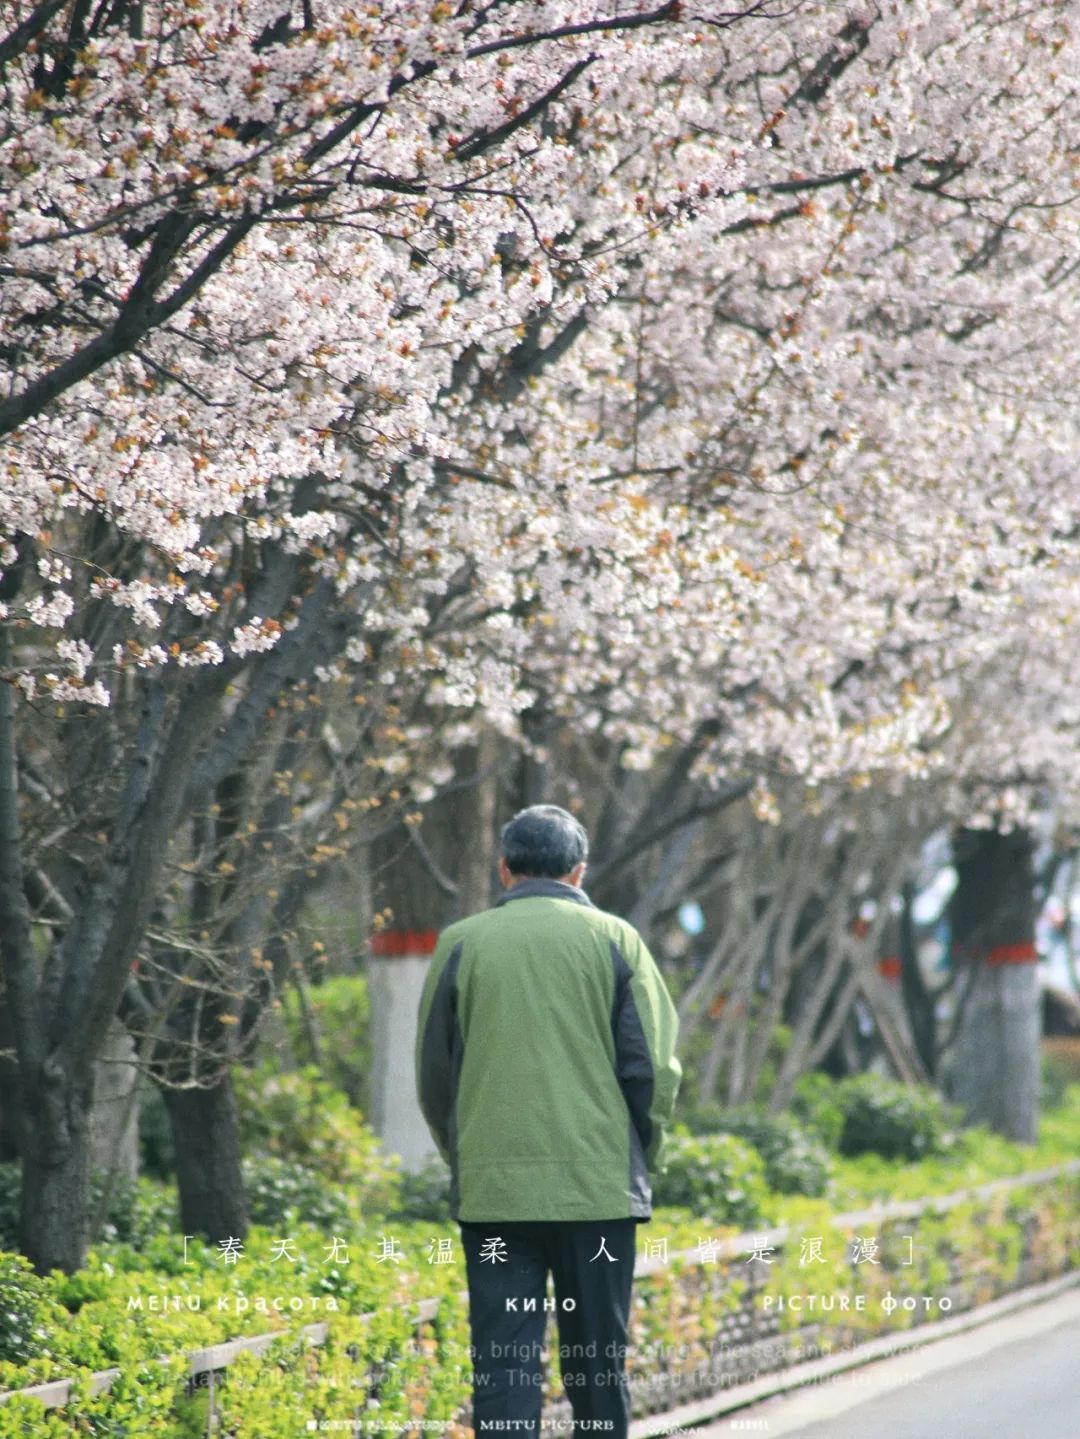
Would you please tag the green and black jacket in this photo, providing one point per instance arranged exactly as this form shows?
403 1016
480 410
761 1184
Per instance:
545 1059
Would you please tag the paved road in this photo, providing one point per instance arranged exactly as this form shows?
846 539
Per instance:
1016 1378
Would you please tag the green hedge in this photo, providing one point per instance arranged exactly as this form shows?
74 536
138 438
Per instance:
69 1326
340 1012
869 1114
795 1157
300 1118
720 1177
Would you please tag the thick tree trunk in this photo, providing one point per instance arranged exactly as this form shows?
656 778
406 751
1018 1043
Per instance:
918 1001
426 877
56 1170
995 1068
114 1118
207 1143
10 1097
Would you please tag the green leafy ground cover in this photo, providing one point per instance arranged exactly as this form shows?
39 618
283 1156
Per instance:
142 1295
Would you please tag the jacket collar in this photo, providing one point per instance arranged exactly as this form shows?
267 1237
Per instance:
545 889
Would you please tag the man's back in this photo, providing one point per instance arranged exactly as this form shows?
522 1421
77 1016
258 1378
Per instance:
546 1070
545 1059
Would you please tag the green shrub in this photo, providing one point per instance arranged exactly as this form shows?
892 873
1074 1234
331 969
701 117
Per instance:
136 1212
280 1190
340 1012
721 1178
796 1161
816 1103
22 1415
425 1192
27 1313
706 1118
301 1119
898 1121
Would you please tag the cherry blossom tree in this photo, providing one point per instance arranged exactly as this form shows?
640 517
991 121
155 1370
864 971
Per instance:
696 376
252 264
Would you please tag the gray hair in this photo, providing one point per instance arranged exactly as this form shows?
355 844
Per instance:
543 842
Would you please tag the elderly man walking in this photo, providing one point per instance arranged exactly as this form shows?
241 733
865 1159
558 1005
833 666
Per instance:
546 1070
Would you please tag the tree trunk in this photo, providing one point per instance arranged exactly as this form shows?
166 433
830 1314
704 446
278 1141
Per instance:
425 876
10 1100
207 1143
918 1001
56 1169
995 1068
114 1118
479 812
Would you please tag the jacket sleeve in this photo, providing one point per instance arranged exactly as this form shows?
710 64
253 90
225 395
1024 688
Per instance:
438 1043
646 1030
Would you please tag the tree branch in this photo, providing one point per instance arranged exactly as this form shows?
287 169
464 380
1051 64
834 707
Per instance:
481 140
670 11
19 38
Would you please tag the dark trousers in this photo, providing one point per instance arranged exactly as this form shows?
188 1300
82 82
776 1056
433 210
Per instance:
507 1266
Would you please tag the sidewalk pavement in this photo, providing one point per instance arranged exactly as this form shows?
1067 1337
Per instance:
821 1399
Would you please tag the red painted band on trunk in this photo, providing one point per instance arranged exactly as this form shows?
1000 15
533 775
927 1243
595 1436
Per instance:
1025 953
889 967
399 943
1022 953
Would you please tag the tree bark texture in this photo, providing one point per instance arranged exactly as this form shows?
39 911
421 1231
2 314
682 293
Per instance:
206 1139
995 1069
56 1168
